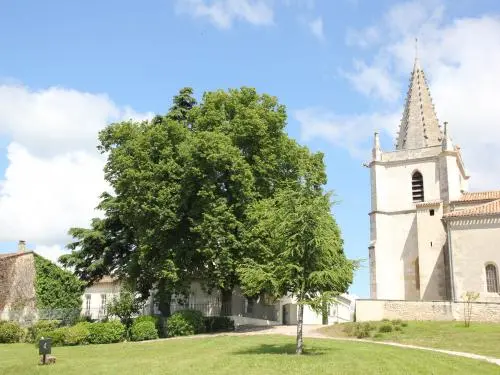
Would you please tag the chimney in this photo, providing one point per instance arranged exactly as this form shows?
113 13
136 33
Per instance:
21 247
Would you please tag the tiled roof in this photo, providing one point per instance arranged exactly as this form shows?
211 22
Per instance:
479 196
490 208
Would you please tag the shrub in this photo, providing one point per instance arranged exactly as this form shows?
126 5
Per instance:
396 322
385 320
398 328
143 330
404 324
40 327
218 324
57 335
384 328
105 333
185 322
362 330
10 332
76 335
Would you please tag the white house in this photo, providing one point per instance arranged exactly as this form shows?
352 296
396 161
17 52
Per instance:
244 311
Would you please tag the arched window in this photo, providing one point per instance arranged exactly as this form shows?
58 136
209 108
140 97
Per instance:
417 187
491 279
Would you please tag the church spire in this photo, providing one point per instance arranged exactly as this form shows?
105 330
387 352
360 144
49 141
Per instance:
419 126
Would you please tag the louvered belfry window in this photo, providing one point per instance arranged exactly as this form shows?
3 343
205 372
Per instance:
417 187
491 279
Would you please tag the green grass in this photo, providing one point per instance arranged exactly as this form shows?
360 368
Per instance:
248 355
479 338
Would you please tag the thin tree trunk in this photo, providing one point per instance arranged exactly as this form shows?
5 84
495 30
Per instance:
164 299
226 302
300 340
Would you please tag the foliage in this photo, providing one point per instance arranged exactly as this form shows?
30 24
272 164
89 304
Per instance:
56 288
469 298
10 332
105 332
384 328
143 330
183 186
57 335
218 324
185 322
124 306
39 327
300 250
77 334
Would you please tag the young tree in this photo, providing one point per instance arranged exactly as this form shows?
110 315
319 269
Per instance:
300 251
469 298
124 306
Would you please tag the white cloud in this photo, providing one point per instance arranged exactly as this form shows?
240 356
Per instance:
316 27
351 132
56 120
54 174
223 13
461 58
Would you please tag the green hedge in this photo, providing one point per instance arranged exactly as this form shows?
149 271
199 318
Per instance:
10 332
85 333
218 324
143 330
106 333
40 327
185 322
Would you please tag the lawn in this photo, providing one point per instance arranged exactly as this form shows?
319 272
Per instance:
247 355
479 338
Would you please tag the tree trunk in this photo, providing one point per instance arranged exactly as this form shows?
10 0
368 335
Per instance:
164 299
226 302
300 340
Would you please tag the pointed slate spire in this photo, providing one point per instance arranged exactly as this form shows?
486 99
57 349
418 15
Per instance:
419 126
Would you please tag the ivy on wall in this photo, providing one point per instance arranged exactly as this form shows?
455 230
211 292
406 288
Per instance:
56 288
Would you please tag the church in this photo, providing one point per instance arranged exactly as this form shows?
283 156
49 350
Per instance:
430 238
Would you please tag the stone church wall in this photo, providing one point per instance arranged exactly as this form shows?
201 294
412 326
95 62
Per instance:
376 310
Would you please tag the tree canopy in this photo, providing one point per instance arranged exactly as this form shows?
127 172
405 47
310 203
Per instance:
185 186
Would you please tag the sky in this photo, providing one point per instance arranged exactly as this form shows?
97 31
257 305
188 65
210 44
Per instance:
341 68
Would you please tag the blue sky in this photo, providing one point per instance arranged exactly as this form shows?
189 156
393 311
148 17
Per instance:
340 67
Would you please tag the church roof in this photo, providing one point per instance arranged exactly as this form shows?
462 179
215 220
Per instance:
419 125
479 196
490 208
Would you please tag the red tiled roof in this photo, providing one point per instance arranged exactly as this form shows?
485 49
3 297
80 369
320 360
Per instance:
479 196
490 208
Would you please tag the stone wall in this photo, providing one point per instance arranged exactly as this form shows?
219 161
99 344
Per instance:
375 310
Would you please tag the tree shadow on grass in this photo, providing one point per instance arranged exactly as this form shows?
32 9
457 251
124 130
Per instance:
282 349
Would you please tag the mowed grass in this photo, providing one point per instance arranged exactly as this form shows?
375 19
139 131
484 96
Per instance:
479 338
259 354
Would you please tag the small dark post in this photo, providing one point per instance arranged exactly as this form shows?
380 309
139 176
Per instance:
44 348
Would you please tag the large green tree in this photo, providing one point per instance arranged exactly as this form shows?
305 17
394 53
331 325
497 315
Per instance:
300 251
183 186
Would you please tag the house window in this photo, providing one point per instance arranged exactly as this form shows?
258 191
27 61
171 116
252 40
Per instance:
249 305
417 187
491 279
87 304
103 303
431 212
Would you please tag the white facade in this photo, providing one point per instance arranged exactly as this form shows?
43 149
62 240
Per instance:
97 296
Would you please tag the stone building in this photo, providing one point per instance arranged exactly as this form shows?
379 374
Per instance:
430 239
